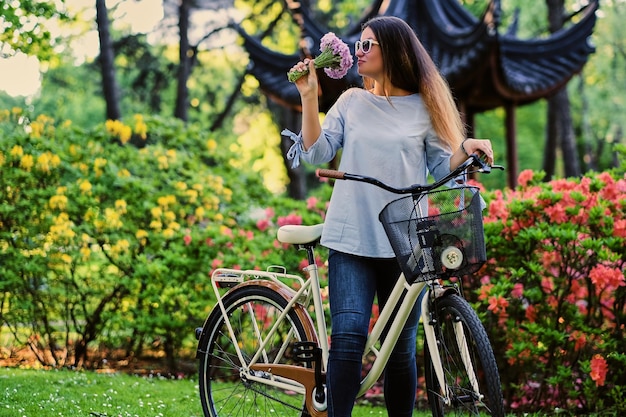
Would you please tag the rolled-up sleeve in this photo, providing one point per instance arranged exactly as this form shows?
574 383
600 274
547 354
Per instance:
323 150
438 156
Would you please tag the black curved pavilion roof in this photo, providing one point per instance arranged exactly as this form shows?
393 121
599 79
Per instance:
484 67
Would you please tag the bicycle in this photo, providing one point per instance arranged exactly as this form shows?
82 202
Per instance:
264 347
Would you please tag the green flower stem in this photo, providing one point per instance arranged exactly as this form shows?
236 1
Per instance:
324 60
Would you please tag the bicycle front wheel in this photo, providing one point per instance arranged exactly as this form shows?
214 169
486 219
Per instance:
469 366
225 388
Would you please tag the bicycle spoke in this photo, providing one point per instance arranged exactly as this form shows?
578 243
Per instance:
227 386
468 364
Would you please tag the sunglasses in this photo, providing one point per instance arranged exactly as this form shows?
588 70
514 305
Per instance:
365 46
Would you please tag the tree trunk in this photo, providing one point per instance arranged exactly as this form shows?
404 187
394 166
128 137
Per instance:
552 133
107 67
560 130
590 159
184 66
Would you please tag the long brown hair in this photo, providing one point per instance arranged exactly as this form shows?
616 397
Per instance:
408 66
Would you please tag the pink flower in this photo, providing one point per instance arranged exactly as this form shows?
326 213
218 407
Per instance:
187 240
518 290
579 339
311 202
599 369
619 228
605 277
547 285
339 51
498 211
556 213
263 224
525 177
290 219
531 313
497 304
335 58
303 264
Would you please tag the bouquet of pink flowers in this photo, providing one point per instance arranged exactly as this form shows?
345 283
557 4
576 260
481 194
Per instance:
335 58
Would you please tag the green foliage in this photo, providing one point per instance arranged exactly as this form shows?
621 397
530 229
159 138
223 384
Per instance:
102 241
24 27
530 139
66 96
598 103
553 291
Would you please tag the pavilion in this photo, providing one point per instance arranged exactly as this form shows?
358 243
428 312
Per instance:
486 67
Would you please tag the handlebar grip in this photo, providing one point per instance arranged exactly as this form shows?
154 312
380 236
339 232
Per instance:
330 173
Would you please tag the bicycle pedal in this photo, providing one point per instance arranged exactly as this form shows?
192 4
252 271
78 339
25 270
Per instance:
306 352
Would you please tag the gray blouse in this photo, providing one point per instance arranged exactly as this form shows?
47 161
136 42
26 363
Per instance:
389 139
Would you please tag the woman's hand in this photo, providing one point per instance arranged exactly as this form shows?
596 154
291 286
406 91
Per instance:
479 147
307 84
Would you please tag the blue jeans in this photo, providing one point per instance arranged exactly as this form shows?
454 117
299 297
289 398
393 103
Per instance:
353 283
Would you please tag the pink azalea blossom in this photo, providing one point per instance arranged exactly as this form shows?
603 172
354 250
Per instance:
263 224
556 213
619 228
606 277
599 369
525 177
290 219
518 290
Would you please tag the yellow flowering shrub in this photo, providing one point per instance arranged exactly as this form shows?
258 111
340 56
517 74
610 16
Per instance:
115 230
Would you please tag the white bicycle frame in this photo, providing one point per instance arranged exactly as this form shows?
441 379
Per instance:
309 290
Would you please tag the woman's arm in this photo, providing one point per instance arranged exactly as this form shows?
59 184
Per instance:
470 146
308 88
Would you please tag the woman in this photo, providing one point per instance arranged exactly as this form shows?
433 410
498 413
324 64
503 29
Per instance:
401 126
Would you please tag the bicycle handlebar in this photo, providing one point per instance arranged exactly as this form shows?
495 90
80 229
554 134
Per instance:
472 160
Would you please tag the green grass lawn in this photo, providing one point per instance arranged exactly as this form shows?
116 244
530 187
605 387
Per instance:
76 393
39 393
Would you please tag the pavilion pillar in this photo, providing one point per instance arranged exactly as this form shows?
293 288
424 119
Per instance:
511 144
469 120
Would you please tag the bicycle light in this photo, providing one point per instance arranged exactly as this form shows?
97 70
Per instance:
452 257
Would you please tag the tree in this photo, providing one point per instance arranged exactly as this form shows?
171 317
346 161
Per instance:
560 128
187 53
185 60
107 65
24 27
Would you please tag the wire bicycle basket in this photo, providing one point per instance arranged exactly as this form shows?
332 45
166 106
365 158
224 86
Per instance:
437 234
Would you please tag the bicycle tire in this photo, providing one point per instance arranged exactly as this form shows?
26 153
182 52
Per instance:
223 391
451 309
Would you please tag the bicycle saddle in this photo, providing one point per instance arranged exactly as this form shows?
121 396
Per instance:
298 234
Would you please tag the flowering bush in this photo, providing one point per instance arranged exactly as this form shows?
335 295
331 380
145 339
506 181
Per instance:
553 293
106 244
335 58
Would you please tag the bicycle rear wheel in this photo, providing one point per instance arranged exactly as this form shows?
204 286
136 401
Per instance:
225 391
453 314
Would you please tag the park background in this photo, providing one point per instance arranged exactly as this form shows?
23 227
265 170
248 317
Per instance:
110 226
